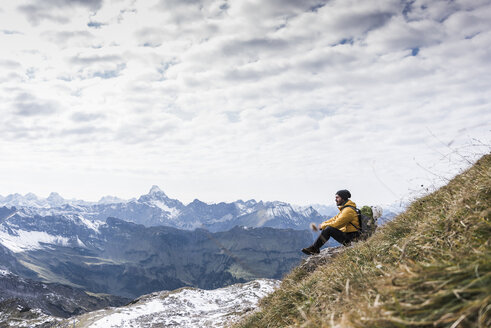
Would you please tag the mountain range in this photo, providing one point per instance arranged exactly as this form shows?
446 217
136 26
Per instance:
157 209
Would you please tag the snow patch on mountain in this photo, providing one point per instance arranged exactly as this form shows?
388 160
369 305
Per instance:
80 243
173 212
4 272
245 208
132 315
281 210
22 240
304 210
29 318
91 224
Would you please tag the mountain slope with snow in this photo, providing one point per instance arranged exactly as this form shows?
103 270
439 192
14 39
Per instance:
187 307
157 209
184 308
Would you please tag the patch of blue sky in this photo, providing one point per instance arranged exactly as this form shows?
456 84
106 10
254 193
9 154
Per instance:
95 24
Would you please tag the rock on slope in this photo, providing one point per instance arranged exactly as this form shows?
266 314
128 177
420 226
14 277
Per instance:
326 255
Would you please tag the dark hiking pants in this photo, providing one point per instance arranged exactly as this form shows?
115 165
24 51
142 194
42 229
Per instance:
341 237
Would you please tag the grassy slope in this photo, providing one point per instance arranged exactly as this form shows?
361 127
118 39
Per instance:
430 266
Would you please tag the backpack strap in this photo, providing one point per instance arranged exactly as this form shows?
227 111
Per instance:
357 213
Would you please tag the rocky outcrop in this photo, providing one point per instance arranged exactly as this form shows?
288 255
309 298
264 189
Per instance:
17 313
325 256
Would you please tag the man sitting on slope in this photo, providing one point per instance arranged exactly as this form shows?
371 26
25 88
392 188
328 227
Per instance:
343 227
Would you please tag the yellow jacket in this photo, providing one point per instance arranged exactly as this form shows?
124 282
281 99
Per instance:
343 219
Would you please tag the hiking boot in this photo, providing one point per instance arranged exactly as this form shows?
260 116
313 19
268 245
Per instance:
311 250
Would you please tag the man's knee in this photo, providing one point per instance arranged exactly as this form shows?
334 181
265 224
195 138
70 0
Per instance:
337 234
327 232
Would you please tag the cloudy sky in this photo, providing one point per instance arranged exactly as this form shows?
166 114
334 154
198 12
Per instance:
222 100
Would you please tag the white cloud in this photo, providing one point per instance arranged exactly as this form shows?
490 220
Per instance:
54 10
28 105
221 100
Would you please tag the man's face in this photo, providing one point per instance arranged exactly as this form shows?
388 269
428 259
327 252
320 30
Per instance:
339 200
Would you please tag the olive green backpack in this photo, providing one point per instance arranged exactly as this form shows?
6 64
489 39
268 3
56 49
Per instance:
367 219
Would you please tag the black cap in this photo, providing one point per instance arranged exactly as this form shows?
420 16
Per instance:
344 194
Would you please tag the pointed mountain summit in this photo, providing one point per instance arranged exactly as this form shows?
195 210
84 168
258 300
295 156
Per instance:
155 189
54 199
196 204
17 199
155 193
157 198
31 196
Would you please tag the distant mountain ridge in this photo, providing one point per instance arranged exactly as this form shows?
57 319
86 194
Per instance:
157 209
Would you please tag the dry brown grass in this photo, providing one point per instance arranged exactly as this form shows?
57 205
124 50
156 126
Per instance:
429 267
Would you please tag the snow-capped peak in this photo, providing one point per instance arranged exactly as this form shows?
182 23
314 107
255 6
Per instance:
17 199
155 193
155 190
31 196
305 210
54 199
